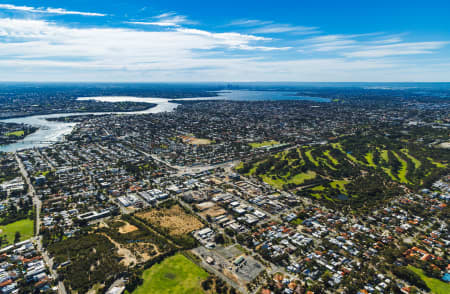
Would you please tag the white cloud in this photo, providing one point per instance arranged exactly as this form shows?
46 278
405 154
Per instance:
269 27
397 49
284 28
169 19
48 10
249 22
62 53
374 45
154 23
116 47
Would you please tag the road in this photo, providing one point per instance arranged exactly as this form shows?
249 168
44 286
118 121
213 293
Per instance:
38 204
32 192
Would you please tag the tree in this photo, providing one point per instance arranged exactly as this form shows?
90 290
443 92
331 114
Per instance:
17 237
219 239
230 232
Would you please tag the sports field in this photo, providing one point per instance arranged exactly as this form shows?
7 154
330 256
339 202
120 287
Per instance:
25 227
176 274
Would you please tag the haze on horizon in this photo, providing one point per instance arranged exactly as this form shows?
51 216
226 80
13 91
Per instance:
235 41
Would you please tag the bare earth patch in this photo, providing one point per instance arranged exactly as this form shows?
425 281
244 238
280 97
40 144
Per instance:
127 228
195 141
175 220
213 212
128 256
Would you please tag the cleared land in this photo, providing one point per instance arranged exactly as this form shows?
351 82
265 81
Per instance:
127 228
175 274
195 141
25 227
174 219
436 286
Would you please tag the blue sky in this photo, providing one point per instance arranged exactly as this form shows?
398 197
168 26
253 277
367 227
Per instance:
194 41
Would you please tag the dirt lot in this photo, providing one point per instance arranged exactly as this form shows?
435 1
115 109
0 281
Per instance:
213 211
127 228
173 219
195 141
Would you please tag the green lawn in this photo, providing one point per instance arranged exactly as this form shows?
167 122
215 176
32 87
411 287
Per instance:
175 274
436 286
264 144
297 221
25 227
16 133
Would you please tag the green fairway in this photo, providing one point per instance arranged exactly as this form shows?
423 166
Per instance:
437 164
316 195
318 188
16 133
339 184
253 170
389 173
416 162
338 146
369 158
298 179
436 286
176 274
311 158
403 169
277 182
264 144
331 158
25 227
384 156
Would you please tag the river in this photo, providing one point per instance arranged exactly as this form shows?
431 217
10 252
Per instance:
54 131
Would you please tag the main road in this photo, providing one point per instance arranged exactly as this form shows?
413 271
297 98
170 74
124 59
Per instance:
38 204
32 192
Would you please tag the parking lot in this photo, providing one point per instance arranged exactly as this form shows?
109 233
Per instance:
231 260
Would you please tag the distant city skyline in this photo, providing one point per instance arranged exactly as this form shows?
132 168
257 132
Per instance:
230 41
